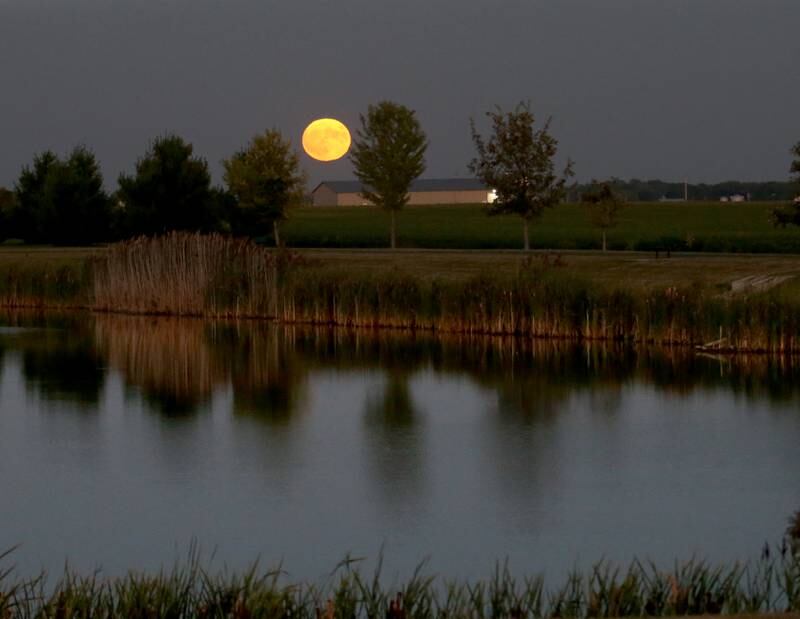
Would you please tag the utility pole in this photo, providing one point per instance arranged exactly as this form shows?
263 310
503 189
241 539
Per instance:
686 190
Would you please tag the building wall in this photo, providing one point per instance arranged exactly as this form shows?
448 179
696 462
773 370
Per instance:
324 196
351 199
449 197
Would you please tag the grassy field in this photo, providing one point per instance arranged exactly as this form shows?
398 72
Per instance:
692 226
626 270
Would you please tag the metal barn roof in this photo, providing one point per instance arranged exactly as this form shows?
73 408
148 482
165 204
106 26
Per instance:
419 185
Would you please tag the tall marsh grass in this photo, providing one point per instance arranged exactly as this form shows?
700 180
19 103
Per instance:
542 303
771 585
217 276
38 286
187 275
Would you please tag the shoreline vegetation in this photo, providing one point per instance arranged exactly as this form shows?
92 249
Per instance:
769 586
216 276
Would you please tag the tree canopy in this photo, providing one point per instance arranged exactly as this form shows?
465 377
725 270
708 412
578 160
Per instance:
604 205
62 201
790 215
517 162
388 154
266 180
171 190
8 203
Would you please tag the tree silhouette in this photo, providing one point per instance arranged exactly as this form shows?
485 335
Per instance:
266 180
388 154
517 161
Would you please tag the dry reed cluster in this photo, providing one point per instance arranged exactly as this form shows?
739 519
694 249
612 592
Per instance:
186 275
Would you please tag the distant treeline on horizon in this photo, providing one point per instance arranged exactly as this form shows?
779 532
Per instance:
636 190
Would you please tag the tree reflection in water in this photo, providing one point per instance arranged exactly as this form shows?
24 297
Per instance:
167 361
392 421
177 365
269 383
63 366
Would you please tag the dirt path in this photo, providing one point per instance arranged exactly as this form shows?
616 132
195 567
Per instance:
757 283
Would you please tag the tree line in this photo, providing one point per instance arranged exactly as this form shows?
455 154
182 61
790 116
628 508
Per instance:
62 200
637 190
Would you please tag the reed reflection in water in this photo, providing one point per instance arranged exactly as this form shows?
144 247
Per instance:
272 441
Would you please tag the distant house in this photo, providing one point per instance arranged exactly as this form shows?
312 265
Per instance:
423 191
737 197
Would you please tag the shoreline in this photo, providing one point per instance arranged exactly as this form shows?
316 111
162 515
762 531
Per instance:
429 330
539 297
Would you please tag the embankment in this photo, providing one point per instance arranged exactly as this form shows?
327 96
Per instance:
216 276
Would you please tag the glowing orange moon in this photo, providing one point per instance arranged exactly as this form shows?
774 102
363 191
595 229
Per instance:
326 139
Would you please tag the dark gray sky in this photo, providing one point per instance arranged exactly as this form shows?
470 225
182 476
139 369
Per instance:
707 90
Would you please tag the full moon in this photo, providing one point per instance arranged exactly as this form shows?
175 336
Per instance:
326 139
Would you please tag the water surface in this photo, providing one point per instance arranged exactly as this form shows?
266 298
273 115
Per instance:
123 439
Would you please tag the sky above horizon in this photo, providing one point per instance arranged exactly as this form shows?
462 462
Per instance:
704 90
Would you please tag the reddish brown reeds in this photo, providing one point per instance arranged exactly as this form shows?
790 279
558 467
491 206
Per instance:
186 275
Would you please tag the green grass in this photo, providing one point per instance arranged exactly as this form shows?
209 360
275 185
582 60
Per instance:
635 271
44 256
694 226
190 590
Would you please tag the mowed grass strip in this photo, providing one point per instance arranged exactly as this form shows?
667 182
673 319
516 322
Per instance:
692 226
34 256
636 271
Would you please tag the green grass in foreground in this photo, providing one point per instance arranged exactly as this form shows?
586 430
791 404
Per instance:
693 226
771 585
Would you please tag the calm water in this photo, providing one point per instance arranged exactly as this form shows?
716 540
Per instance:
123 439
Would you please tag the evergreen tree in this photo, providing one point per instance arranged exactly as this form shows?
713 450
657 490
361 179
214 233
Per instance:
62 202
171 190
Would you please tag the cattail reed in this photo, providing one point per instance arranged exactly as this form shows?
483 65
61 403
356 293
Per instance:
186 275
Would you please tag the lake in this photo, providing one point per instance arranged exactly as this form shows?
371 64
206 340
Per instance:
123 440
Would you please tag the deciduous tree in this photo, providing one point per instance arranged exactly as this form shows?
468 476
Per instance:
604 205
266 180
790 215
518 162
388 154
